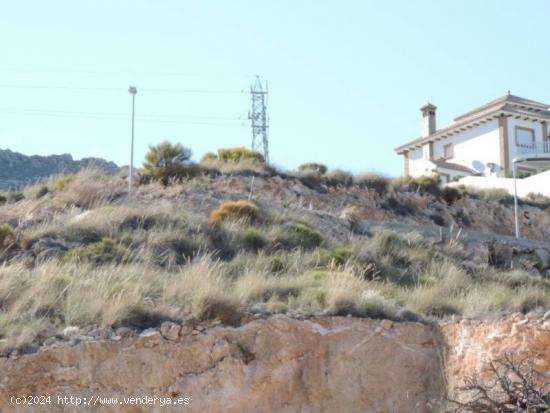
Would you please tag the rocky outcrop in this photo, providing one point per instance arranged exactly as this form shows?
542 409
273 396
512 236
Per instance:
18 169
470 344
273 365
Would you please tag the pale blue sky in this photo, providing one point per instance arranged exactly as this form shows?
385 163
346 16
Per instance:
346 77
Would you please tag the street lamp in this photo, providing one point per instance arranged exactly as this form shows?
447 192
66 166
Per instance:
133 91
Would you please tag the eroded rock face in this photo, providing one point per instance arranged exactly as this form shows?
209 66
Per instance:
274 365
470 344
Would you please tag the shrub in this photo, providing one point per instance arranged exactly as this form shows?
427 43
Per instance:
450 195
167 161
300 236
3 200
378 183
506 384
339 178
236 210
62 182
313 167
106 250
239 154
7 235
209 157
253 240
420 184
337 256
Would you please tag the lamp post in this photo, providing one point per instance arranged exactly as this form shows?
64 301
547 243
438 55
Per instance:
516 216
133 91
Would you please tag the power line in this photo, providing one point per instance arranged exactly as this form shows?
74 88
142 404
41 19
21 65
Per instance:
19 71
111 114
120 118
110 89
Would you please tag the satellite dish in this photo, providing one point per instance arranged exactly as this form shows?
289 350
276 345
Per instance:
478 166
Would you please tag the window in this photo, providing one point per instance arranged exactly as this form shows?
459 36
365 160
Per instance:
525 137
448 151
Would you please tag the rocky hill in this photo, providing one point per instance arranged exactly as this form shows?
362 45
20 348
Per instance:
257 290
18 169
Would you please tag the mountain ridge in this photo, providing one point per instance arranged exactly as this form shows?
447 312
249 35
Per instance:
17 169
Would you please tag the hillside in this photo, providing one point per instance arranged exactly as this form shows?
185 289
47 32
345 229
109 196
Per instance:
18 169
237 244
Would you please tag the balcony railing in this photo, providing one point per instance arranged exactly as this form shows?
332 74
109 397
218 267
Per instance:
533 148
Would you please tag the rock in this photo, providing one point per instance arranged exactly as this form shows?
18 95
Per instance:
125 332
50 341
71 331
101 333
149 332
279 364
170 330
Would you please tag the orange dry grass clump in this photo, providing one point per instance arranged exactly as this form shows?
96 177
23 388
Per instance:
243 210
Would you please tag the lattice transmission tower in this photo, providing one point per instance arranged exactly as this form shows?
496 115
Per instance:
259 120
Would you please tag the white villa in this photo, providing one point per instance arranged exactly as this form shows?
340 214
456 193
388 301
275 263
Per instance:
482 142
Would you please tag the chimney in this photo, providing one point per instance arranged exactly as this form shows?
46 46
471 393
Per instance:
428 119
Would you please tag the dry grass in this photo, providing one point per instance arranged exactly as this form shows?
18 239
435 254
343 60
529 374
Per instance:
138 261
89 188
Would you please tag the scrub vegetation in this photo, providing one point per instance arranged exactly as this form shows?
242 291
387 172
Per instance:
224 244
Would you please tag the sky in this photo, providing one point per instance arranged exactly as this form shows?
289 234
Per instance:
346 78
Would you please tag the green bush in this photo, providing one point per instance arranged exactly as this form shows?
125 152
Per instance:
7 235
167 161
253 240
300 236
239 154
313 167
3 200
378 183
106 250
339 178
337 256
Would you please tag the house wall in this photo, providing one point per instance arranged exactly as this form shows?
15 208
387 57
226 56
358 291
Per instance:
479 144
512 123
417 163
